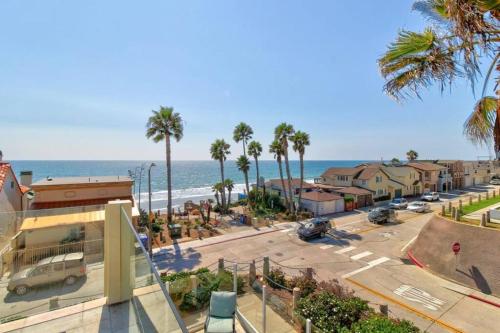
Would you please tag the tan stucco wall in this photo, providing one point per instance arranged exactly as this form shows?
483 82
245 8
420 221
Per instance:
49 236
10 196
372 185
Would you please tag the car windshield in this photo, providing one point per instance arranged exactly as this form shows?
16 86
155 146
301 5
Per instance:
396 200
427 193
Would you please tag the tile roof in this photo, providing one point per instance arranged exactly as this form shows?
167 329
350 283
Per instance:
425 166
353 190
82 180
4 171
320 196
368 172
342 171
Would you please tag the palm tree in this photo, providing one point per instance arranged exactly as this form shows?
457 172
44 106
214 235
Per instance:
276 149
217 189
395 160
282 133
255 150
300 141
219 151
411 155
242 132
163 125
229 184
461 35
243 165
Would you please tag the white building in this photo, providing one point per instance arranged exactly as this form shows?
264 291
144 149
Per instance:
322 203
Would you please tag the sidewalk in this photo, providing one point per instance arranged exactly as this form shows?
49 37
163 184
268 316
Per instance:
222 238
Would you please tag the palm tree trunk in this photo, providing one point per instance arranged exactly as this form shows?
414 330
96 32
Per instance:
169 180
244 148
257 169
217 198
301 178
280 167
288 175
246 182
228 199
223 192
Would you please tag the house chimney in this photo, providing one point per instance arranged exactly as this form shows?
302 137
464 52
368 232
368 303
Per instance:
26 178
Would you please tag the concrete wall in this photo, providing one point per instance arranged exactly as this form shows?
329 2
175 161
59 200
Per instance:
477 265
70 193
49 236
10 195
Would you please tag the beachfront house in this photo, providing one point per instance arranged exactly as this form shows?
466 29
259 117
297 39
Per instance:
67 214
339 177
12 197
379 182
275 186
429 174
408 177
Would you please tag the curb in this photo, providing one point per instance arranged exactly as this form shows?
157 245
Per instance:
478 298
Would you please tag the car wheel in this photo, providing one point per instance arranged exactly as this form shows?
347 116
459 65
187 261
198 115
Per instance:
70 280
21 290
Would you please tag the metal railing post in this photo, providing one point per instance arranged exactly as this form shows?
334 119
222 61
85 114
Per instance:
264 292
308 325
235 277
220 267
265 268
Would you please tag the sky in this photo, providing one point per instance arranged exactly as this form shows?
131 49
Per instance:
78 79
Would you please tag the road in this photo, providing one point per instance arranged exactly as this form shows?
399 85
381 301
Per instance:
368 258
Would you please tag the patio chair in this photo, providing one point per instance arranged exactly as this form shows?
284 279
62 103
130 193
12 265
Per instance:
221 313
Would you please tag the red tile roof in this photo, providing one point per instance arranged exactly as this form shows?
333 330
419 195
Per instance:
425 166
368 173
353 190
4 171
342 171
320 196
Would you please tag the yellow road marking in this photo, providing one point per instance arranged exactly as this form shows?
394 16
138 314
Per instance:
407 307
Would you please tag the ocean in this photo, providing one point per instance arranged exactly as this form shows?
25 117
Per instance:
191 180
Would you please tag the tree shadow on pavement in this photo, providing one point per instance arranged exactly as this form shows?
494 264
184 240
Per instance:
177 259
479 279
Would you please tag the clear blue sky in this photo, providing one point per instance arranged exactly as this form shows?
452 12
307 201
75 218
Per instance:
78 79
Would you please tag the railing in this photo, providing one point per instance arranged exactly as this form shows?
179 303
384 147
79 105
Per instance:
154 309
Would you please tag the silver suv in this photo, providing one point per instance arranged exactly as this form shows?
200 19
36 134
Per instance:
65 267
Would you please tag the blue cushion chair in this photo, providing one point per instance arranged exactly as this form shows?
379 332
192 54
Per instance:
221 313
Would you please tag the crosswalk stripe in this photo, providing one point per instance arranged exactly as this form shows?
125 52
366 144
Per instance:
324 247
344 250
285 230
361 255
371 264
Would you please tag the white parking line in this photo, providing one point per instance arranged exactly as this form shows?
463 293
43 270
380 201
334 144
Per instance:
361 255
285 230
324 247
409 243
344 250
371 264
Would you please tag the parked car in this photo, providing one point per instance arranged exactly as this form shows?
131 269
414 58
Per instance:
495 181
398 203
380 215
430 196
419 207
313 228
65 267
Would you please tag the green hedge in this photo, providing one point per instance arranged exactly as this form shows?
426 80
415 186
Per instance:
379 324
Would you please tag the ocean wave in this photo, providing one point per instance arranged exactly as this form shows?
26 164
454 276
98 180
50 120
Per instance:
187 193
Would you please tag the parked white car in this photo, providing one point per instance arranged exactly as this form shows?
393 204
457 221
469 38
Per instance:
495 181
430 196
419 207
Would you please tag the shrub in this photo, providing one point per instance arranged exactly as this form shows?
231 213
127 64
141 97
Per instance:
306 284
334 287
379 324
330 313
348 198
276 278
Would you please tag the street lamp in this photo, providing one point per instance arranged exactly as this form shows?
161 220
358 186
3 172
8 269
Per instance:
150 237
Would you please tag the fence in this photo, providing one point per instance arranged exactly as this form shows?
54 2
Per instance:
92 249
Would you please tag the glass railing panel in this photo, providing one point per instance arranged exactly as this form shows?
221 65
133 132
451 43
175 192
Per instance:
50 259
153 309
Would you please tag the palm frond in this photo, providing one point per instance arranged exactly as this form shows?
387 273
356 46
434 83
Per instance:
409 43
433 10
479 126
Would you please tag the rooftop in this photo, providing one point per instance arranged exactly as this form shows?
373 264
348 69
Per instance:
353 190
426 166
320 196
342 171
41 222
295 183
82 180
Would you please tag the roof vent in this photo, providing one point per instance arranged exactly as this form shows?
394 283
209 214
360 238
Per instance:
49 179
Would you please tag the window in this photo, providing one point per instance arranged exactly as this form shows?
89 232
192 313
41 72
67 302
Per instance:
378 179
73 263
40 270
363 182
58 266
11 184
342 178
